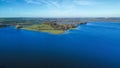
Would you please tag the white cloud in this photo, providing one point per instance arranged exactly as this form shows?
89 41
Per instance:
8 1
48 3
84 2
62 3
33 1
63 7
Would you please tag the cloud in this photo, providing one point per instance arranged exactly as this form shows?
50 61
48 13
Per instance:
61 3
7 1
85 2
63 7
43 2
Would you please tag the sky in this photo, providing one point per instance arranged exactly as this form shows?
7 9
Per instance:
59 8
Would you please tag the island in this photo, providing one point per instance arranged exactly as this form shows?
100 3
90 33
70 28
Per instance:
51 27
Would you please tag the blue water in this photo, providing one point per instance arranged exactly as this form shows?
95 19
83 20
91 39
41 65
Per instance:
94 45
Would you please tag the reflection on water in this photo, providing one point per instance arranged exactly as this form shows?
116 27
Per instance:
95 45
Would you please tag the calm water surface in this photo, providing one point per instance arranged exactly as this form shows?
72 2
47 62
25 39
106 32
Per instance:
94 45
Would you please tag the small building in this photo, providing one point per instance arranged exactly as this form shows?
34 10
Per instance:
19 26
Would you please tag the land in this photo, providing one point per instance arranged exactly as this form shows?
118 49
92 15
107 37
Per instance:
51 25
44 28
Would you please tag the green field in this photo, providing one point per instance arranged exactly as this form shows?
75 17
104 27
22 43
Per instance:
44 28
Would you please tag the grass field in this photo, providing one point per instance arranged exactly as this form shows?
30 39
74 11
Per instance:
44 28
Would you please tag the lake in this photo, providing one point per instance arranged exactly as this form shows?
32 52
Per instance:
94 45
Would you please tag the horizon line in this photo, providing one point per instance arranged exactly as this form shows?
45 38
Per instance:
60 17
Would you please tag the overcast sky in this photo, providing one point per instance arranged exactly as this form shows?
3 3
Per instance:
59 8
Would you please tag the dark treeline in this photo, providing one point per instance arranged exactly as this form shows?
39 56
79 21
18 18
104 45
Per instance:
31 21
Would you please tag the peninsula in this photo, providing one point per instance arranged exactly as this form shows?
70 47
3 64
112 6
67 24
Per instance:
51 27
